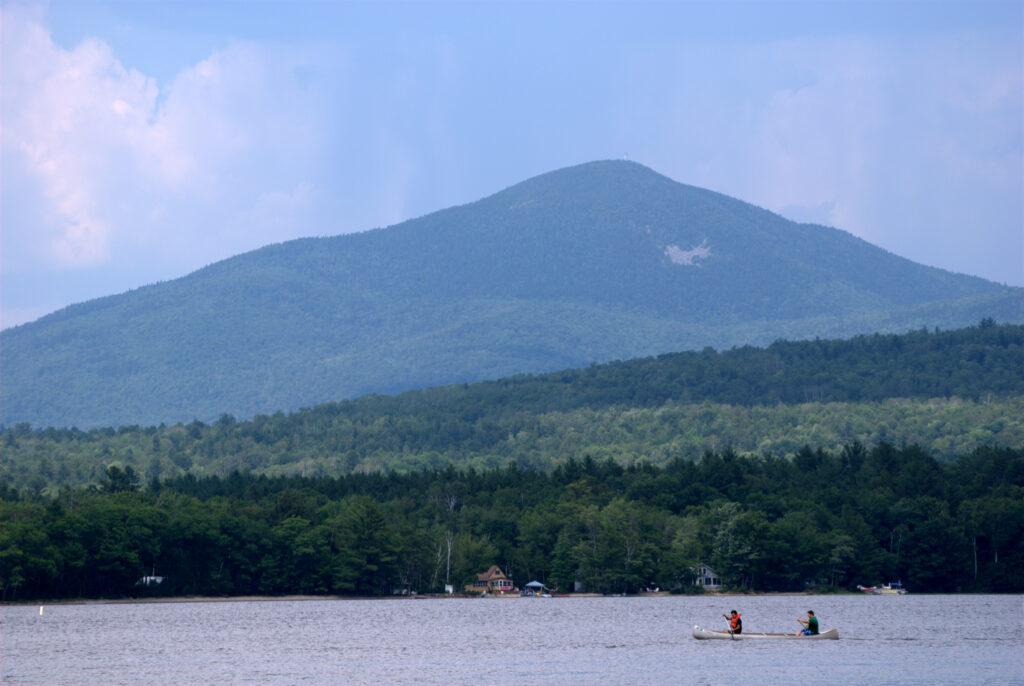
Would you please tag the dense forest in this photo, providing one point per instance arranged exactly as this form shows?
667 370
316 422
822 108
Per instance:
819 521
946 391
803 465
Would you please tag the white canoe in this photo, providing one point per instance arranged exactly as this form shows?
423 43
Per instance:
702 633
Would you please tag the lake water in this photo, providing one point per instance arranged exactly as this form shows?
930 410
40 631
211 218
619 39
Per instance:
913 640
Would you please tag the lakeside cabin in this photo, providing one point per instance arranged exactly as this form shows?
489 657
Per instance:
491 581
706 578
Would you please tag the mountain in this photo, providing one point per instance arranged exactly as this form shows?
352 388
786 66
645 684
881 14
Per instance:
603 261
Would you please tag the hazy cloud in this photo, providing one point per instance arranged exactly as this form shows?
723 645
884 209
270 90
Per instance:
900 140
123 164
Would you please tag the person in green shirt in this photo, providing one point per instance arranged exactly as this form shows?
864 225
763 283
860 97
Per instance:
810 624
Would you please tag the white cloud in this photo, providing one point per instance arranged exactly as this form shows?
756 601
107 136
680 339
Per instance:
60 120
122 165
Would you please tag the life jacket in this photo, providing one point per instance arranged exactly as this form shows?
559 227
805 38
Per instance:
735 622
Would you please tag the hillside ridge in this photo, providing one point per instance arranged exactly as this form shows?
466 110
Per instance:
949 392
602 261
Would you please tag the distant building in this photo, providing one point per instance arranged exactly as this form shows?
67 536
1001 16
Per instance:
491 581
706 578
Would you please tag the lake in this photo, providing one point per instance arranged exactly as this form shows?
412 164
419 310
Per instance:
913 640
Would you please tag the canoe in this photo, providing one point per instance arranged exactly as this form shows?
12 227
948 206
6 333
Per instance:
702 633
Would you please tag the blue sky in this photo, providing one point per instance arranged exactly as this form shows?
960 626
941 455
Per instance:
143 140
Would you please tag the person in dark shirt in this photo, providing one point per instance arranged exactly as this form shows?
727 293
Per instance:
810 624
735 623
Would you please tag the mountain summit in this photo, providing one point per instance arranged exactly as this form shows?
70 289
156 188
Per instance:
606 260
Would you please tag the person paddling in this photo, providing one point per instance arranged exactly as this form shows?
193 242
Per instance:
735 623
810 625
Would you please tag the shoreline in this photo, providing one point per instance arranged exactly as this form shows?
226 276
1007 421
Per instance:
421 596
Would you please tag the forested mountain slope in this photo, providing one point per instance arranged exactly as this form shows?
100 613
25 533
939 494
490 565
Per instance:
949 392
603 261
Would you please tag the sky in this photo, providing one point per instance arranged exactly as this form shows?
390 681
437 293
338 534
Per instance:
142 140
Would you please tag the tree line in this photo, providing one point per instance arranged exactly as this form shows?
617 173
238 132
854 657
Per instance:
822 520
949 392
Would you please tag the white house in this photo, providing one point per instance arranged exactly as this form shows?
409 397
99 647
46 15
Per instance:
706 578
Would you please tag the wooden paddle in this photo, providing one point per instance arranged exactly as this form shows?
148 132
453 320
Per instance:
729 630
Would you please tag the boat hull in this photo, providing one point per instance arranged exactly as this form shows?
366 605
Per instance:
703 634
888 589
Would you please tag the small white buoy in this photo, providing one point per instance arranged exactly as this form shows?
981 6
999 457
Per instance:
40 610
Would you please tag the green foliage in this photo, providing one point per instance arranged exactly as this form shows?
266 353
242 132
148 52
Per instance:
948 392
619 477
117 480
818 520
561 271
